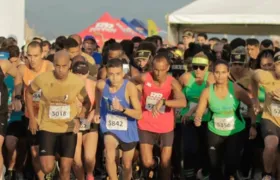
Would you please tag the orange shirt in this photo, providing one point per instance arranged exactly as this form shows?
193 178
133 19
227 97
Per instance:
28 77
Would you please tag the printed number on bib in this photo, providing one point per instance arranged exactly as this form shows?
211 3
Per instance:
59 112
85 125
114 122
151 102
37 96
193 104
178 112
243 108
224 124
125 68
275 109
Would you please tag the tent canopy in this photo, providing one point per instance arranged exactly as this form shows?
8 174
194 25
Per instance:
246 17
107 27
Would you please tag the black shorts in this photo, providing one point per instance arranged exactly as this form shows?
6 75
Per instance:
259 142
62 143
3 124
17 129
122 145
93 128
269 128
33 140
161 139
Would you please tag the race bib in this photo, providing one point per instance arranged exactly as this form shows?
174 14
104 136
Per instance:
193 104
115 122
151 102
85 125
37 96
243 108
125 68
275 109
58 112
224 124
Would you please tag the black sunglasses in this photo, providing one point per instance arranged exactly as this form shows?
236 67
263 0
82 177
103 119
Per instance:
195 67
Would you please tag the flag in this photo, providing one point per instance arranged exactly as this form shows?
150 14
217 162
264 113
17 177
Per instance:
152 28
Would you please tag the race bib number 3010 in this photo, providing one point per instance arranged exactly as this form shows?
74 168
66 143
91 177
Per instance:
115 122
59 112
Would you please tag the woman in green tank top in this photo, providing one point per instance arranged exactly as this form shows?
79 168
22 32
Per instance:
196 159
226 126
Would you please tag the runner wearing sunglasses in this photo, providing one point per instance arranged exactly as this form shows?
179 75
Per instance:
194 83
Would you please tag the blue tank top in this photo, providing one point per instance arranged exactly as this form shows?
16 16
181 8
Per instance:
117 123
15 116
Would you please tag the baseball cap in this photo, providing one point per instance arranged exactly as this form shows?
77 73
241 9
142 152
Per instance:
188 33
89 38
80 68
238 55
142 54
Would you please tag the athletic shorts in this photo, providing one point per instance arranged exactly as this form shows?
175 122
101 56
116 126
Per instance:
33 140
17 129
269 128
93 128
259 141
161 139
62 143
3 124
121 145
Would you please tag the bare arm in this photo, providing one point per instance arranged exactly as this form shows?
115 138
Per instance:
98 94
255 85
134 72
8 68
140 79
86 104
102 73
243 96
179 100
136 112
31 89
202 104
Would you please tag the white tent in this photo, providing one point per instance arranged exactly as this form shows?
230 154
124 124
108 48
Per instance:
239 17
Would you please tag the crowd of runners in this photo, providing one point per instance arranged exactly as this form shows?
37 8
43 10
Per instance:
204 109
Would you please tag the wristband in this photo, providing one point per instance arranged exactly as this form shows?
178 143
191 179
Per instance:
123 111
18 97
163 102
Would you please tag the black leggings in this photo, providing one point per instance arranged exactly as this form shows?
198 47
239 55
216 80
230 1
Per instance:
195 149
177 149
227 150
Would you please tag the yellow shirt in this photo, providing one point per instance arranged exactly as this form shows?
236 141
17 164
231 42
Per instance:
88 58
58 106
271 109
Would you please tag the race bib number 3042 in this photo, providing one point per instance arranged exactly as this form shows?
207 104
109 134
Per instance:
224 124
275 109
59 112
115 122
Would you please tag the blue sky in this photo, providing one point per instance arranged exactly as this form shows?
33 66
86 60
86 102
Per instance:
52 18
